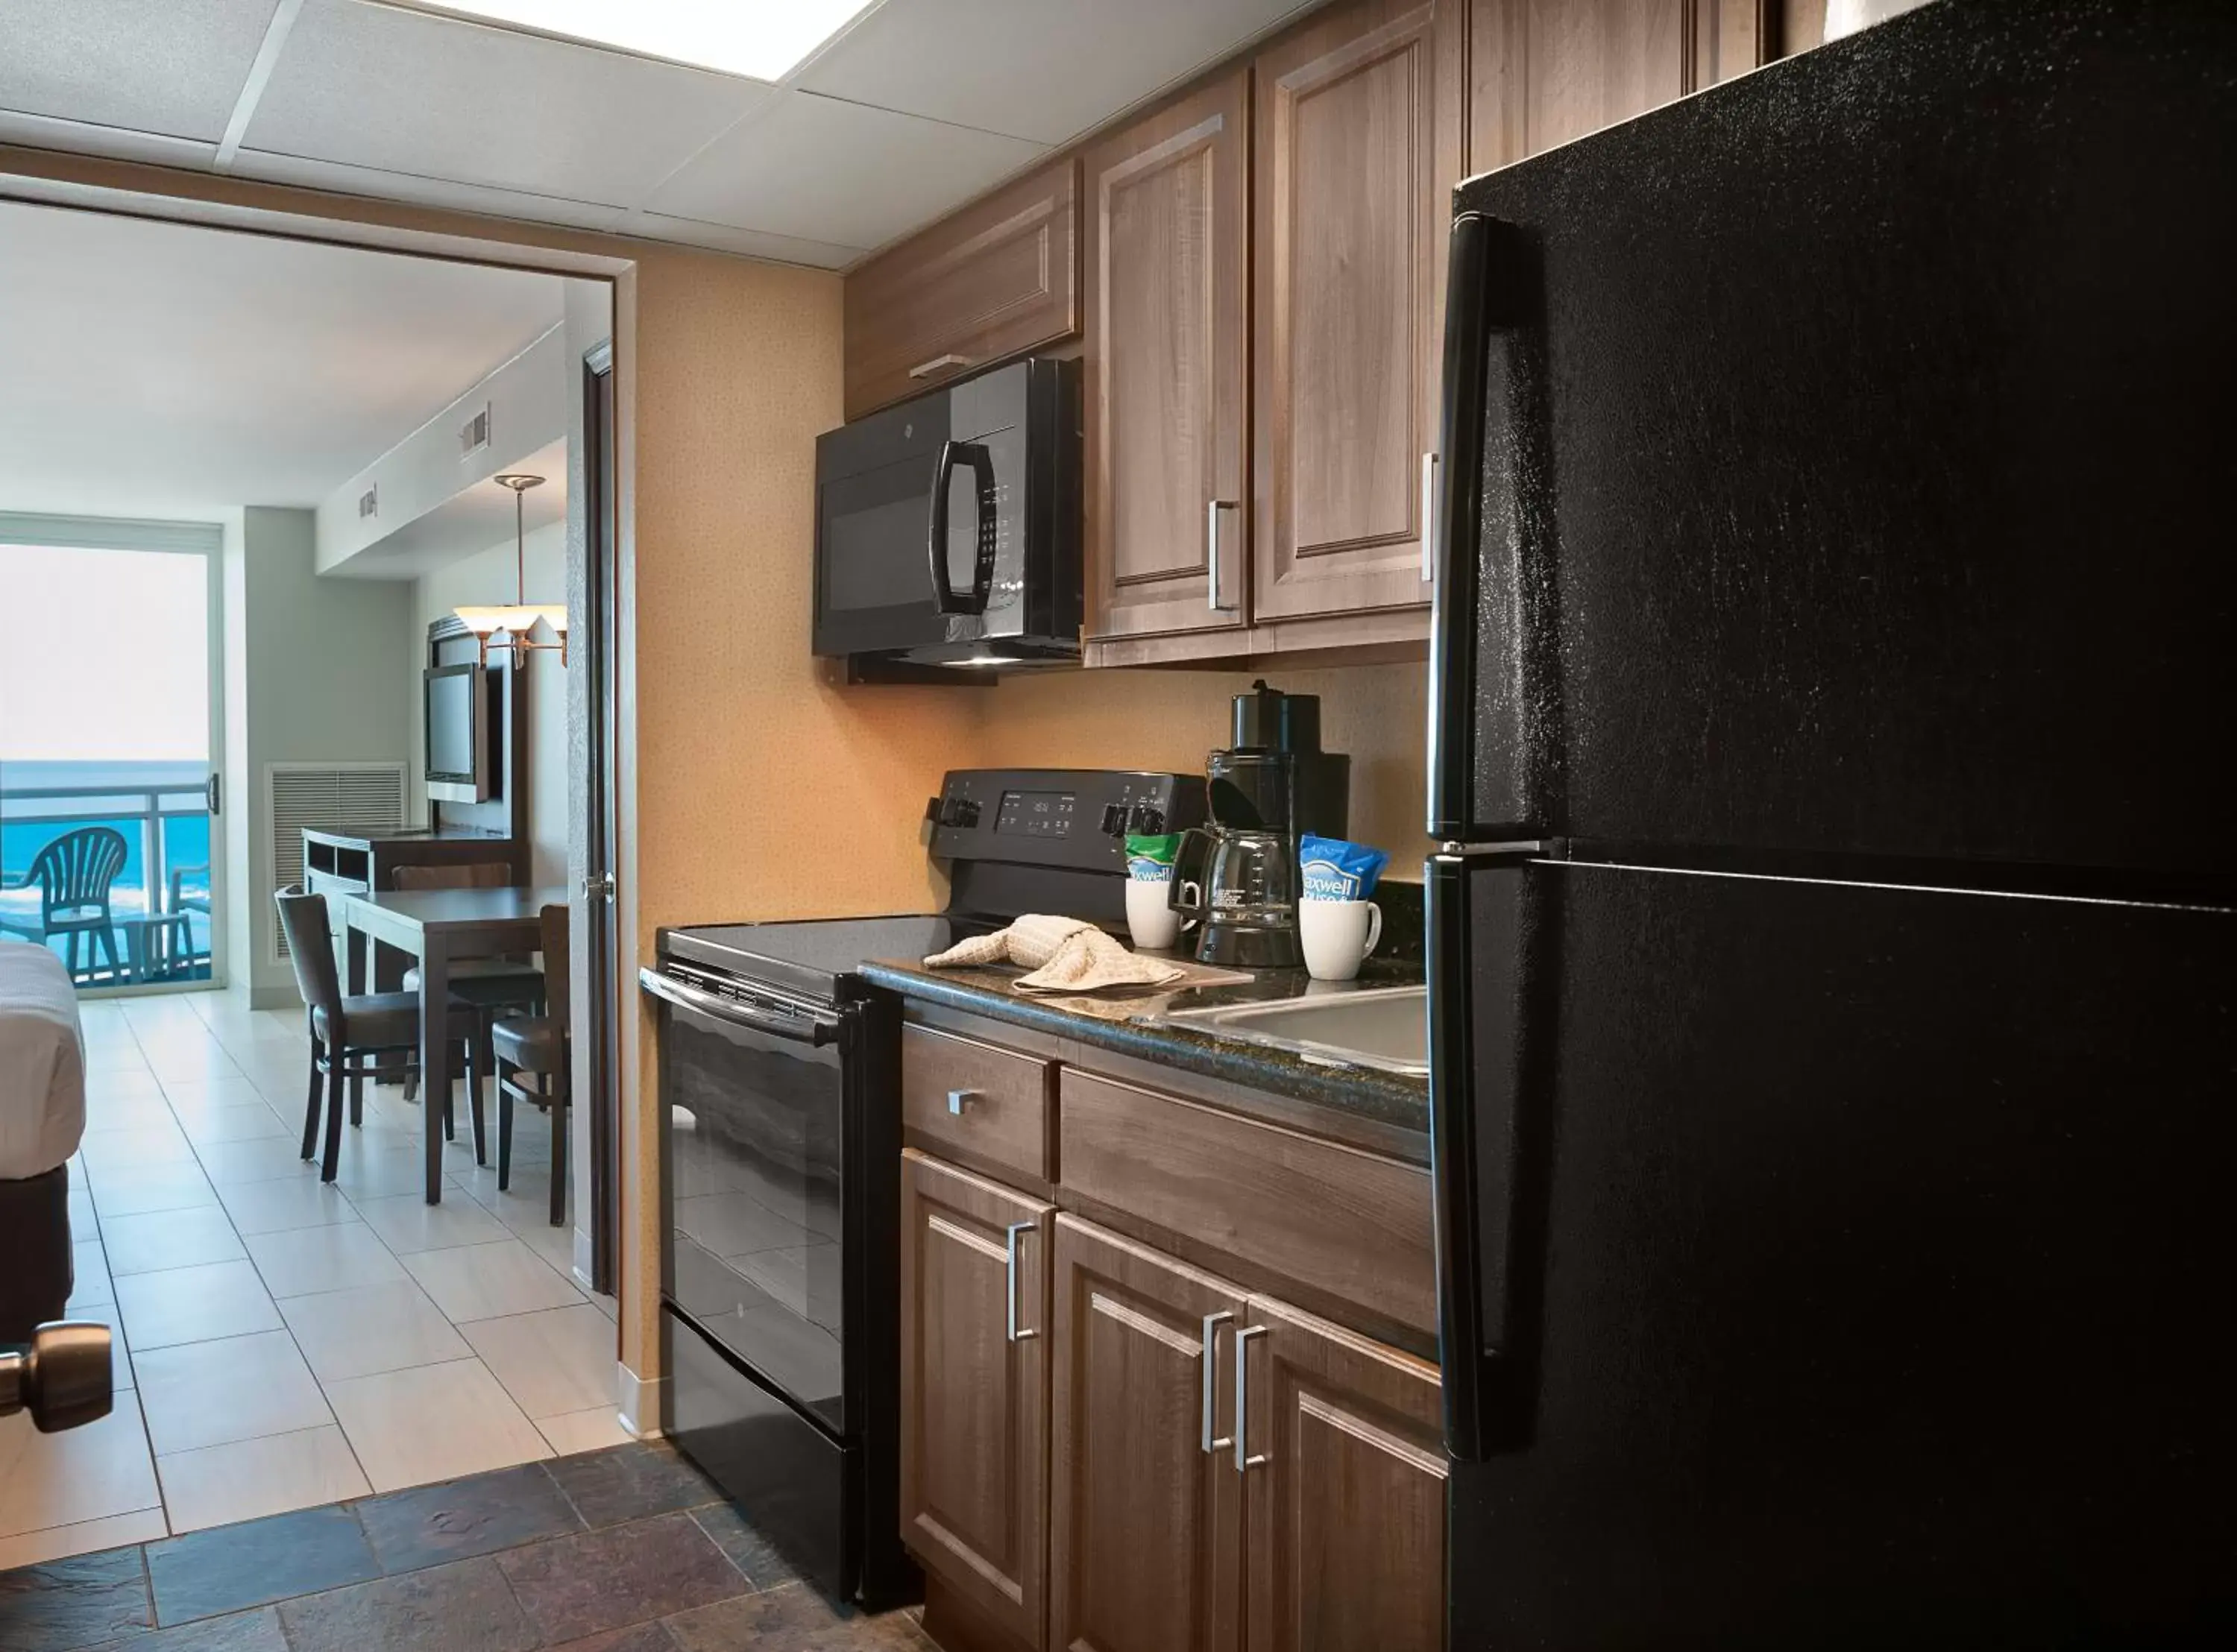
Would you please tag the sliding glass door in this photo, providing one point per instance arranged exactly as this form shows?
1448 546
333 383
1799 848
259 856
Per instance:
111 726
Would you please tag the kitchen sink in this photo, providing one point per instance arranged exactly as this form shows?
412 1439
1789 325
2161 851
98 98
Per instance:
1382 1027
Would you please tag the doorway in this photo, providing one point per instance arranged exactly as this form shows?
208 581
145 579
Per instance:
112 732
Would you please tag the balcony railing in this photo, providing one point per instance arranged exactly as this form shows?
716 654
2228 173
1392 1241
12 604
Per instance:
161 877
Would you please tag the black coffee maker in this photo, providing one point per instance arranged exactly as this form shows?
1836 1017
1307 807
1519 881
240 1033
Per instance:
1237 878
1268 720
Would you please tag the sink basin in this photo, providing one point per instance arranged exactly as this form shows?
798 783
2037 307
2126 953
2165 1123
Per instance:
1384 1027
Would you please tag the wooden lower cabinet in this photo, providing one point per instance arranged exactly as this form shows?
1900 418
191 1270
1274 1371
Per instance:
1145 1541
974 1391
1344 1529
1070 1477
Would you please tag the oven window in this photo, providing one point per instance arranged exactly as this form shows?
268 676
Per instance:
753 1140
874 538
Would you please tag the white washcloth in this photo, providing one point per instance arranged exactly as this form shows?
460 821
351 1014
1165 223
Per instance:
1063 954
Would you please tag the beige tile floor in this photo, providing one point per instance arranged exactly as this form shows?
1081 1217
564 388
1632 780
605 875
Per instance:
282 1344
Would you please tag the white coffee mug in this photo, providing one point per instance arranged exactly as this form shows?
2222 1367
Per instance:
1149 917
1337 936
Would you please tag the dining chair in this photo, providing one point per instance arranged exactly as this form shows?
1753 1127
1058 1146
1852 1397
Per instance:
348 1031
534 1048
75 874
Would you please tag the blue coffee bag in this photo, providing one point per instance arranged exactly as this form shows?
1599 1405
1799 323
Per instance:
1334 870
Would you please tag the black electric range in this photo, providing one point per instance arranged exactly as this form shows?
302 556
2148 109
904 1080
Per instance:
779 1077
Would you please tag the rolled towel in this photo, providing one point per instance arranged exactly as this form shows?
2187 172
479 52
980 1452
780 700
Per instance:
1061 954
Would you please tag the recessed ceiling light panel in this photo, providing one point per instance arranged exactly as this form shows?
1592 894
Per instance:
763 39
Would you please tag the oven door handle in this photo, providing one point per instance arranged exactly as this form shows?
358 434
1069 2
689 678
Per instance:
800 1031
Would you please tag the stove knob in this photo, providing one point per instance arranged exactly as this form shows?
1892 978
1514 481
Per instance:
1148 819
960 812
1114 819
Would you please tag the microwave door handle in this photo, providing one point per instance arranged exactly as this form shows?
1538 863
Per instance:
799 1031
981 461
944 599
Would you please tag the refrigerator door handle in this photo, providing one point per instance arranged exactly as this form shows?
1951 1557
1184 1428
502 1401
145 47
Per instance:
1455 525
1482 1086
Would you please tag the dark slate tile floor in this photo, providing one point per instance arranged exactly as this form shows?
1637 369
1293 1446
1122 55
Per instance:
625 1551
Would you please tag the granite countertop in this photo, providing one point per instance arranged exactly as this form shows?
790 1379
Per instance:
1130 1024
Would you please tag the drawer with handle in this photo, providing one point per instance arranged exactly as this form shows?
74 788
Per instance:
981 1106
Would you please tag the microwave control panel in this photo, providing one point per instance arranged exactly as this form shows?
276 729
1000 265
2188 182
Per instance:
1074 818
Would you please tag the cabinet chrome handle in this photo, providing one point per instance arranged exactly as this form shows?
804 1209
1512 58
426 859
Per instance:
1211 552
938 363
1210 1381
1243 1461
1429 518
960 1099
1013 1230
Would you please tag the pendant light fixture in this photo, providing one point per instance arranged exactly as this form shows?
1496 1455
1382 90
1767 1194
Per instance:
512 624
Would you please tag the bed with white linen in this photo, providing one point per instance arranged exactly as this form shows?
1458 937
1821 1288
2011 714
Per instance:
42 1116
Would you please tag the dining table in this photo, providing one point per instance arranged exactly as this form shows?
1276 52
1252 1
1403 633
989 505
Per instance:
438 927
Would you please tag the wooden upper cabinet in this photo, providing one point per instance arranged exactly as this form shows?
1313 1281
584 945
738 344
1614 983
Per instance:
1360 131
1541 72
995 279
1146 1530
1166 359
1345 1514
974 1390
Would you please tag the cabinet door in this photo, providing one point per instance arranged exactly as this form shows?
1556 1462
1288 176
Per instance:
1167 213
1146 1517
1359 129
974 1389
996 278
1345 1497
1541 72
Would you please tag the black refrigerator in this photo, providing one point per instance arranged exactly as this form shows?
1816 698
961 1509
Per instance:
1833 950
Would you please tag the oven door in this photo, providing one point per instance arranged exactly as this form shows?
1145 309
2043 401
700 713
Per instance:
753 1104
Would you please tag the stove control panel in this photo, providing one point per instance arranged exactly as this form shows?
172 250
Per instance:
1077 818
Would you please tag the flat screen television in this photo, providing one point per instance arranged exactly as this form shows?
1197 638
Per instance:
458 767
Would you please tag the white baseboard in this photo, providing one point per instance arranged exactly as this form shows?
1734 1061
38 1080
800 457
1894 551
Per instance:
644 1404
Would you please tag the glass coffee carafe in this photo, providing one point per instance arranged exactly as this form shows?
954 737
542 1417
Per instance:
1238 877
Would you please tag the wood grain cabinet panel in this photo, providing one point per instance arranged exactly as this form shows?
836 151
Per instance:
1360 128
1167 215
988 1107
1542 72
974 1398
1345 1515
1145 1538
1351 1224
995 279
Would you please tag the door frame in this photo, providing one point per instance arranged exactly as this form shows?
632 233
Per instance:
161 536
600 892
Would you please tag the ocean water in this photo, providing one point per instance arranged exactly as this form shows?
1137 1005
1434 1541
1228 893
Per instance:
28 824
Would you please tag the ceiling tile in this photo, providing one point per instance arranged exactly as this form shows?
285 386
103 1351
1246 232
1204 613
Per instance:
171 67
426 192
820 170
1044 69
40 132
437 98
749 243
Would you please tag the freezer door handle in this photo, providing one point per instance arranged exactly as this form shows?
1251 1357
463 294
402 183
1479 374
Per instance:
1452 509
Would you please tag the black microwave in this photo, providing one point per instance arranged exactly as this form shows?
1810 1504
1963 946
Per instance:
947 528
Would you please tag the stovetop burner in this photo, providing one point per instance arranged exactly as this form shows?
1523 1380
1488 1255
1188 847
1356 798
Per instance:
806 956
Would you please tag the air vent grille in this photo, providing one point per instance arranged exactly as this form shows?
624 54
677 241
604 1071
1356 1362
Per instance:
474 434
335 797
368 502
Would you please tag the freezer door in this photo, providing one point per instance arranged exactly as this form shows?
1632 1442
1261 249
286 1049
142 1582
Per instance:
1850 1265
1855 443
